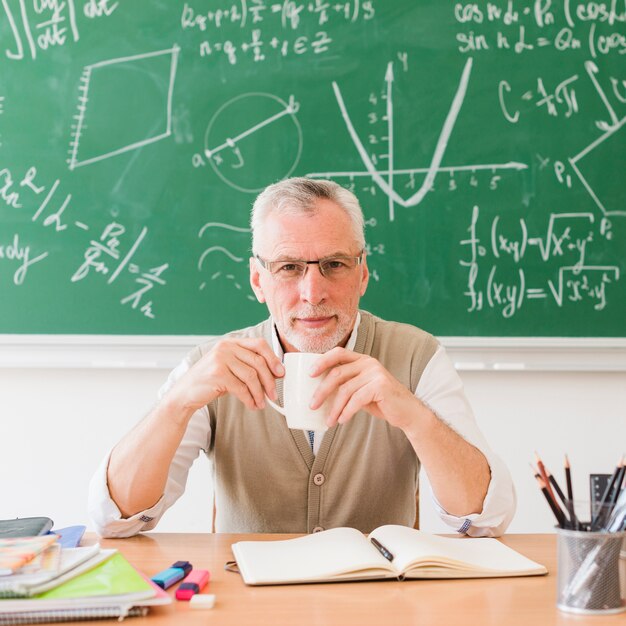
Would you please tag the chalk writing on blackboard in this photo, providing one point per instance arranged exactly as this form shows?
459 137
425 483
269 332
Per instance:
152 95
230 254
105 256
99 8
15 251
256 124
13 192
560 100
47 25
570 279
563 100
516 24
271 29
384 179
578 163
424 111
48 204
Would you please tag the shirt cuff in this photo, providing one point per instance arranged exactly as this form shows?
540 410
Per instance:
106 515
498 507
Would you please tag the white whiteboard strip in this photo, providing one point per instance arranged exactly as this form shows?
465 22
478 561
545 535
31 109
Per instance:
165 352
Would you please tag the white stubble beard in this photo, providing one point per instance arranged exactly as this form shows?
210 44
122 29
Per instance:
316 340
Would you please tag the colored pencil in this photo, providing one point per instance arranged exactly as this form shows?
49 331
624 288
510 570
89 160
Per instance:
544 475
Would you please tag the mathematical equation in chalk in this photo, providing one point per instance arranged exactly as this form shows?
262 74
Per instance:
528 26
103 254
40 26
560 253
270 26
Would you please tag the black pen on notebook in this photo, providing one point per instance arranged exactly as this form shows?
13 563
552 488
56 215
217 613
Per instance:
379 546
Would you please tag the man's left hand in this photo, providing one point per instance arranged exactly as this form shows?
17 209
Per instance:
357 381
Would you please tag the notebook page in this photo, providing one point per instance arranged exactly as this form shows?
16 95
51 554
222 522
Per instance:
480 555
319 556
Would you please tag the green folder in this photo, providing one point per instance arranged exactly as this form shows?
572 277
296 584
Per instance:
115 577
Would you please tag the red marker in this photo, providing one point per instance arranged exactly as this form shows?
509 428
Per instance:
194 583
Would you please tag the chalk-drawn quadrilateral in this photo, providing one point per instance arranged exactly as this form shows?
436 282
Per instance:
124 104
611 151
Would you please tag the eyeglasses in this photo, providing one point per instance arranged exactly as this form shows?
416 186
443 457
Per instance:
332 267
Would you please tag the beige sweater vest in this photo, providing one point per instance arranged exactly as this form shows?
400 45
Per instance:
365 474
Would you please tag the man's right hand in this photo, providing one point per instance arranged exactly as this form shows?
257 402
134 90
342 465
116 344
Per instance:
244 367
139 464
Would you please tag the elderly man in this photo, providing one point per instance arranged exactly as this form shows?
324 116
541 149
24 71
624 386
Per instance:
398 402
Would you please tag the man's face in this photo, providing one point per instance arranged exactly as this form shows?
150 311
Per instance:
312 313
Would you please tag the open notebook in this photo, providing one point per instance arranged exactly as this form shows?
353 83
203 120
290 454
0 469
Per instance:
346 554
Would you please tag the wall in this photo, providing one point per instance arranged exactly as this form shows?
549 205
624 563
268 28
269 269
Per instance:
57 424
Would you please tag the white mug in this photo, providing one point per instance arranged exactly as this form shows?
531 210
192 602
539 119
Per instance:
298 390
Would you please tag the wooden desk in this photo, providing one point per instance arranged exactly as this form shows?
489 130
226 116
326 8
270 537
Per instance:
498 601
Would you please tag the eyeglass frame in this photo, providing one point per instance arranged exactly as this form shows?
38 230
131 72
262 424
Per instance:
264 263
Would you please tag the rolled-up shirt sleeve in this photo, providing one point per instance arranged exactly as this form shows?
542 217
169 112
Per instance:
104 513
441 388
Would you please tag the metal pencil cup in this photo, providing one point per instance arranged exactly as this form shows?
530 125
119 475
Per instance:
588 572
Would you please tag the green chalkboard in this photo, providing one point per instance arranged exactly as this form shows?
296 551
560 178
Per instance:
485 140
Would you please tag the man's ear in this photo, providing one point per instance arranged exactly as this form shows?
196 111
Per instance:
365 275
255 280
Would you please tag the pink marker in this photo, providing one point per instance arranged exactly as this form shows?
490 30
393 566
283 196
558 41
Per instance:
194 583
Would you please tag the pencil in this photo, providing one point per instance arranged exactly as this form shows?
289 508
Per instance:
568 505
535 470
568 479
544 475
560 517
570 495
557 488
538 477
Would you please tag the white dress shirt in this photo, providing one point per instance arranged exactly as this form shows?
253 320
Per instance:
439 387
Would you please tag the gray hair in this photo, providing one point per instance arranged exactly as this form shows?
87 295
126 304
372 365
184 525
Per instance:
298 195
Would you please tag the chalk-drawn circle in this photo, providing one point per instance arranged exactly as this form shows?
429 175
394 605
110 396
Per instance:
253 140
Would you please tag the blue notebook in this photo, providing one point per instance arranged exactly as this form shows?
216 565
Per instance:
70 536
